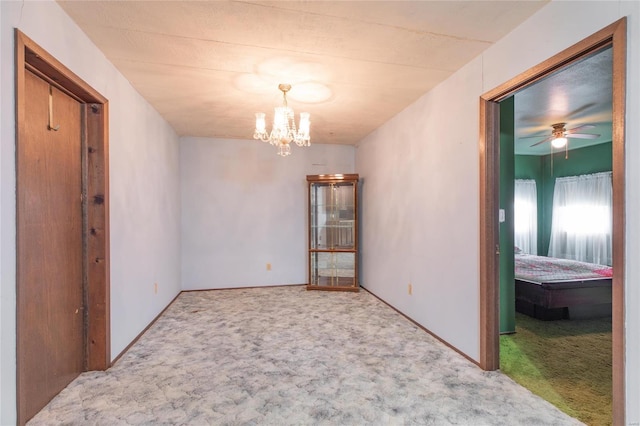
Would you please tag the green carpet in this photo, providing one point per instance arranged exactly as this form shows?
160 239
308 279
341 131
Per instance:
566 362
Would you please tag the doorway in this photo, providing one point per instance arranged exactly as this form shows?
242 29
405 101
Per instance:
62 282
555 303
614 36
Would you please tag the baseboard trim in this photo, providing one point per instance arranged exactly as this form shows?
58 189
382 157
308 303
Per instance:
153 321
133 342
423 328
241 288
417 324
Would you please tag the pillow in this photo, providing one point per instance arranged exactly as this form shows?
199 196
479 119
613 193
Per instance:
516 250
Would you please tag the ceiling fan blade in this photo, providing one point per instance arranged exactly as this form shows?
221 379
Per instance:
530 137
542 141
584 126
583 136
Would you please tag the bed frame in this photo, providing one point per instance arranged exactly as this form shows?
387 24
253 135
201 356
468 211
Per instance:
589 298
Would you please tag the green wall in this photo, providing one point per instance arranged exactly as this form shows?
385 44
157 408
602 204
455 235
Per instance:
592 159
507 163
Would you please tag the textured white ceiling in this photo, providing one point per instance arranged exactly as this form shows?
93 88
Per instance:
577 95
207 67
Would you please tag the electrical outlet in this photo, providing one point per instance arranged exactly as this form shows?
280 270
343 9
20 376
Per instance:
410 289
155 288
268 266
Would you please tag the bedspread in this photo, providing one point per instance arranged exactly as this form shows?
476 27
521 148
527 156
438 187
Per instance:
548 269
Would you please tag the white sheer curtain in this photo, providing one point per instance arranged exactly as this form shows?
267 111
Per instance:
581 222
525 211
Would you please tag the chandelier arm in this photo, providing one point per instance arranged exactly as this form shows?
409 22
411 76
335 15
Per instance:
261 136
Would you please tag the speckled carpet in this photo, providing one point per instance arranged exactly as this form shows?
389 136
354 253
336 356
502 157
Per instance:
284 355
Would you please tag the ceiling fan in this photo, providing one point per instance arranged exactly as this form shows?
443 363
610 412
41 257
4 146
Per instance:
560 135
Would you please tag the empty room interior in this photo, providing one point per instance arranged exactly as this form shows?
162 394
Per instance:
183 181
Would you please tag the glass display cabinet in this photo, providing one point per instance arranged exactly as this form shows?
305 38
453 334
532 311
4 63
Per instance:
333 232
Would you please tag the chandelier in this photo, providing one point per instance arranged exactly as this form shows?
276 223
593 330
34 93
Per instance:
284 127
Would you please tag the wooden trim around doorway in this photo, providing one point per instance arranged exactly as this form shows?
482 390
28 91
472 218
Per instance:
489 235
31 57
613 35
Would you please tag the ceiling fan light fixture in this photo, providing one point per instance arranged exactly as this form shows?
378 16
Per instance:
559 142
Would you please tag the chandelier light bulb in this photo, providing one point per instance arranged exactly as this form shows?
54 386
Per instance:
304 127
261 125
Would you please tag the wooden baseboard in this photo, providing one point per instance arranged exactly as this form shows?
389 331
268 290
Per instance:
241 288
420 326
292 285
133 342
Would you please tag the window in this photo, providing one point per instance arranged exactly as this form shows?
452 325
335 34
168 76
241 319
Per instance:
581 224
525 210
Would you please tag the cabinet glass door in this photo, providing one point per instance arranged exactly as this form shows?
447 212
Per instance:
333 269
332 216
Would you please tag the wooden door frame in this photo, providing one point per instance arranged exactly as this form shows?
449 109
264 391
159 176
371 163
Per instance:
614 35
95 112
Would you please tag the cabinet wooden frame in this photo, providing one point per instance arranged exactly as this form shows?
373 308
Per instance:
352 248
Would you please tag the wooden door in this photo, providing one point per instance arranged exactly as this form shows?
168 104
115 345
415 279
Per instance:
49 246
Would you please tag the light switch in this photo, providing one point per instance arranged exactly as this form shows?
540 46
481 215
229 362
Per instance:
501 215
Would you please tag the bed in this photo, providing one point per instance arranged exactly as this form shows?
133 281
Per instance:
549 289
